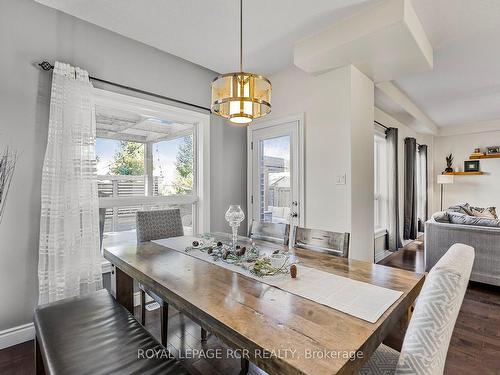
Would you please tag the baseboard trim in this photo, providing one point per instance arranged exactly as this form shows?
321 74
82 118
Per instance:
17 335
382 255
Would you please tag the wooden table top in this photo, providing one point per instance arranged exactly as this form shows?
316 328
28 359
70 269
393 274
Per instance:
267 321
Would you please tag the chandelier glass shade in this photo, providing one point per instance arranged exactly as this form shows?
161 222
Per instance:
241 97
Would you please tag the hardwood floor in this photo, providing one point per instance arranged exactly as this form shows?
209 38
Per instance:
474 347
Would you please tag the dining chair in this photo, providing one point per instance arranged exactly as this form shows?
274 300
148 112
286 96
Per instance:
154 225
429 333
321 240
271 232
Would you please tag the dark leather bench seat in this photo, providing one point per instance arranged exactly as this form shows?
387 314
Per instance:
94 334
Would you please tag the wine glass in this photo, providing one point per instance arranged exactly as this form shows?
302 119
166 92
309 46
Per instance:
234 216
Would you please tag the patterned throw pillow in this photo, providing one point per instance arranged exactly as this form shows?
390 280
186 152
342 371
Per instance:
487 213
463 208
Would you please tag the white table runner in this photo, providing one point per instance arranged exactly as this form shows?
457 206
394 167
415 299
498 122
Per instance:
356 298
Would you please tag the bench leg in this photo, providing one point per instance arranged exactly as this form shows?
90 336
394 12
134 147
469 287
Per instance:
203 334
245 365
125 290
39 368
143 308
164 323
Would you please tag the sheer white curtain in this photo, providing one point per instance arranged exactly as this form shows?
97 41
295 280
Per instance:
69 255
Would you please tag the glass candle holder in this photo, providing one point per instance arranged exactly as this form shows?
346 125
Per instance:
234 216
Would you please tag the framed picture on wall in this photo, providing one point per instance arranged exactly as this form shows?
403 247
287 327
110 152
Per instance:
471 166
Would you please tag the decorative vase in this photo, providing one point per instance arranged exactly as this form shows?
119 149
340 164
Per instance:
234 216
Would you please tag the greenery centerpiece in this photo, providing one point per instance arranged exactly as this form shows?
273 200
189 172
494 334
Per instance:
249 259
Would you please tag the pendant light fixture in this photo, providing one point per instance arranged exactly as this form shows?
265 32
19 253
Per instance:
241 97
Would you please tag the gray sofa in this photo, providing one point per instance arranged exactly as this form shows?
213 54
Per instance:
440 235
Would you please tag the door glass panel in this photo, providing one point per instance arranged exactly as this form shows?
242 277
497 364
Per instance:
275 192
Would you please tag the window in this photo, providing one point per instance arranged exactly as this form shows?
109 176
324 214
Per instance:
380 182
146 162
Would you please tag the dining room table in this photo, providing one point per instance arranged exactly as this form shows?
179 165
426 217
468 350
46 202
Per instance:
320 322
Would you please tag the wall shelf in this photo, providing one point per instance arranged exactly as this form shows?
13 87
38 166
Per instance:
465 173
492 156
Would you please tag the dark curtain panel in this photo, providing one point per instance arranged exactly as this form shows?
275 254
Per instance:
410 203
393 228
423 205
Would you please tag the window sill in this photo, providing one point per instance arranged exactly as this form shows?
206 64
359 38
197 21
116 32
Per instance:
380 232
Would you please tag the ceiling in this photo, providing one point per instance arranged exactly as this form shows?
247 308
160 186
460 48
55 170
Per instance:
463 88
206 32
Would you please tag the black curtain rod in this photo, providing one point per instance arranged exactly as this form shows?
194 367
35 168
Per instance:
382 125
45 65
385 127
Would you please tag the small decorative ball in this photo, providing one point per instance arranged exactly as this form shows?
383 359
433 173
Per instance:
293 271
241 251
210 250
196 243
219 244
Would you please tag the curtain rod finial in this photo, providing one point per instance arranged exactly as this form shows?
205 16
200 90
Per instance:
45 65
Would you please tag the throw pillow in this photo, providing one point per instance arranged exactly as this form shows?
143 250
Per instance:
463 208
488 212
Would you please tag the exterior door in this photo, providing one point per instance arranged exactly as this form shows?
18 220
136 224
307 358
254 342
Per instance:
275 172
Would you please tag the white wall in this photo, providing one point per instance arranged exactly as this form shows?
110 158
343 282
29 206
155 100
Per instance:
30 32
361 172
336 116
228 160
479 191
405 131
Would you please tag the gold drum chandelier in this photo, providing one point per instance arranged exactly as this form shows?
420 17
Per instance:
241 97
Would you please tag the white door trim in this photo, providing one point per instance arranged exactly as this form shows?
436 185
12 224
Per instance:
261 124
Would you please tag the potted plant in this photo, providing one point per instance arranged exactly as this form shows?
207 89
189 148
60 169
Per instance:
449 163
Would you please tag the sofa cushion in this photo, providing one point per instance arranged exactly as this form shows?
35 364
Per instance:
488 212
459 218
441 217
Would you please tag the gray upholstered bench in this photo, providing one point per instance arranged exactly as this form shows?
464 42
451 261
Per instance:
94 334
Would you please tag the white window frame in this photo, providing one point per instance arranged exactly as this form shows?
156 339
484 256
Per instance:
380 184
200 198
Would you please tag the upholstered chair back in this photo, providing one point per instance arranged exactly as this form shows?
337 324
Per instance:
429 333
153 225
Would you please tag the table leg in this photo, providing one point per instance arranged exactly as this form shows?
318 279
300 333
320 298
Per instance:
125 290
395 339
